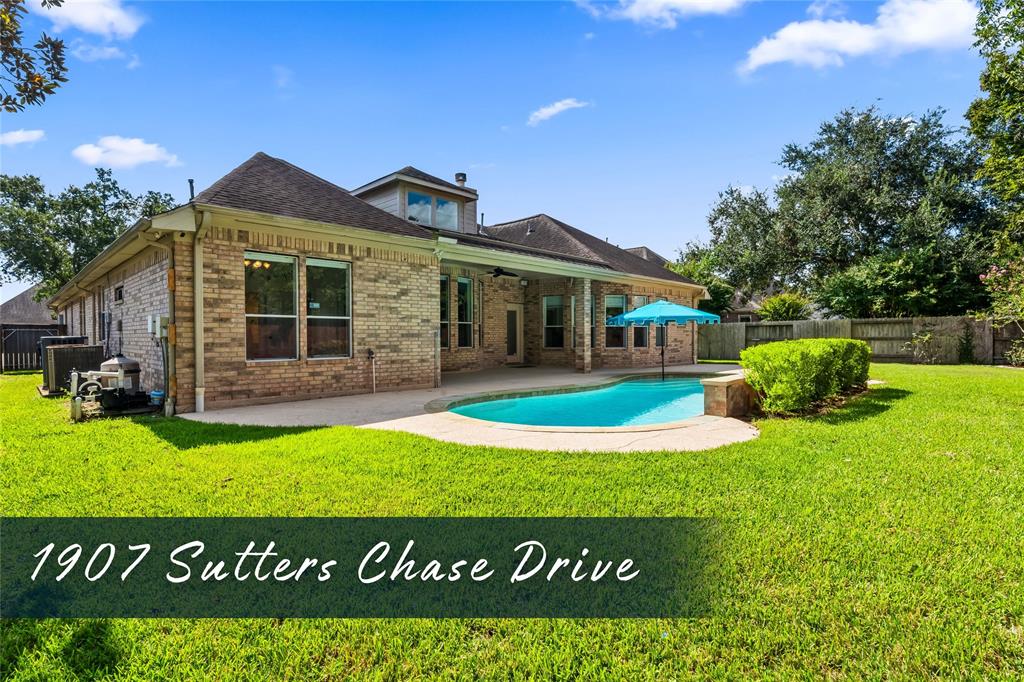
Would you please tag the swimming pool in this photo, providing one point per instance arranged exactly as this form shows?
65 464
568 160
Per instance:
637 402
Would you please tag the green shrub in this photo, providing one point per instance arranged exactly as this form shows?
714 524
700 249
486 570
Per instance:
791 376
784 307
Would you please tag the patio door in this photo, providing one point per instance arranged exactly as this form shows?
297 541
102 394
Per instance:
514 333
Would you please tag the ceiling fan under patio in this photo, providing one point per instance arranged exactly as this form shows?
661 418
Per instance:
501 272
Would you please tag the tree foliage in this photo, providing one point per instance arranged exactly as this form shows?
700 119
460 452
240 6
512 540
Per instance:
48 238
997 118
785 306
30 73
700 263
868 189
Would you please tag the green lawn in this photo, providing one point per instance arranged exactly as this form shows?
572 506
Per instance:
885 538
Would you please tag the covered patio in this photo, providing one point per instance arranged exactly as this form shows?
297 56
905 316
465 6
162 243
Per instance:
413 411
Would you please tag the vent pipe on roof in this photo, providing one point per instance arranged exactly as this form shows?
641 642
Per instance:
191 189
460 179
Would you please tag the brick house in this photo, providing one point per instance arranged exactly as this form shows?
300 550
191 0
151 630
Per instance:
301 279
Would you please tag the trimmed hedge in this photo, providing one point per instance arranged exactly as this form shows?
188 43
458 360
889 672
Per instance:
791 376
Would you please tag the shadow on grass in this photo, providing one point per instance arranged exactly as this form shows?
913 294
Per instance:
184 433
865 406
90 653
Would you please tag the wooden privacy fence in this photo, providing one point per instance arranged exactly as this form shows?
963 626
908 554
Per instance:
19 345
952 337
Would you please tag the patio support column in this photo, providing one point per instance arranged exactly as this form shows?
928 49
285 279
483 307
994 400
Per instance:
581 289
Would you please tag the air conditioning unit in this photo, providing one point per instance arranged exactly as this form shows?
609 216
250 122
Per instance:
47 341
62 360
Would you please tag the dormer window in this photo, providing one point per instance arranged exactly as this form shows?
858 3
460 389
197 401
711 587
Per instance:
427 209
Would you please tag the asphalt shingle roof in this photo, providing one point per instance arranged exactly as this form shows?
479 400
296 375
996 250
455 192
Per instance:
269 185
24 309
647 254
544 232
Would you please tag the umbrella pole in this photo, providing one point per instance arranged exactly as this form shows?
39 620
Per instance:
664 342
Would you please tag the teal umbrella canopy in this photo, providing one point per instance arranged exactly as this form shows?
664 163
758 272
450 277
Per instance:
661 313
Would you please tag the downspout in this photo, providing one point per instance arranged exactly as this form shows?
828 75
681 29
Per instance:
203 222
171 380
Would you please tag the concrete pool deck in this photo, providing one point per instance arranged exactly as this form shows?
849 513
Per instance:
408 411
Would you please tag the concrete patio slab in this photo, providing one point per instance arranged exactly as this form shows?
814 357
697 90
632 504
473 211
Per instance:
405 411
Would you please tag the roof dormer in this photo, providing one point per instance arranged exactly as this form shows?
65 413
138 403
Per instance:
424 199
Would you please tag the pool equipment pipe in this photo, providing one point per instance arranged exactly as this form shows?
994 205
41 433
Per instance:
372 357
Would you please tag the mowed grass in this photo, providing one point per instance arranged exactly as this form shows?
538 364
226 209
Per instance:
883 539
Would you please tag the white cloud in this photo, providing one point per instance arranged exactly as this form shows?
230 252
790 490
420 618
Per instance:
823 9
901 26
590 35
659 13
108 18
552 110
22 136
283 77
115 151
95 53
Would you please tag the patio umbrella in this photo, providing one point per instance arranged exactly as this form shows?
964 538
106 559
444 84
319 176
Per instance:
661 313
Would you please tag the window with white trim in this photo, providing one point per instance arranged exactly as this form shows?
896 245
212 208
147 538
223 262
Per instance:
446 334
554 321
639 331
427 209
328 309
593 321
614 335
271 307
464 311
572 320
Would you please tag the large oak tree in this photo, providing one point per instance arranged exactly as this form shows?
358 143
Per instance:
869 197
47 238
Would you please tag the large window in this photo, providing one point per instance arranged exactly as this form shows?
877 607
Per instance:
659 336
554 322
427 209
328 309
271 309
593 321
465 312
614 335
418 208
572 320
446 214
639 332
446 334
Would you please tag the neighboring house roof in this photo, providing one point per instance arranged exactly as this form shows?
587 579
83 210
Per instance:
511 247
648 255
413 173
741 303
24 309
268 185
544 232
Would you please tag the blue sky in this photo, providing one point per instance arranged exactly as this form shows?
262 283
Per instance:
641 112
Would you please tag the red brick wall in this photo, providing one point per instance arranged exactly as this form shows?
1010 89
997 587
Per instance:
489 312
143 280
394 312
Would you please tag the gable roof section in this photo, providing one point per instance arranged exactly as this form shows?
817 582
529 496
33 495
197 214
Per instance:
415 174
24 309
427 177
647 254
544 232
265 184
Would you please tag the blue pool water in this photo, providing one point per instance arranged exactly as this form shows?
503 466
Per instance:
631 403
